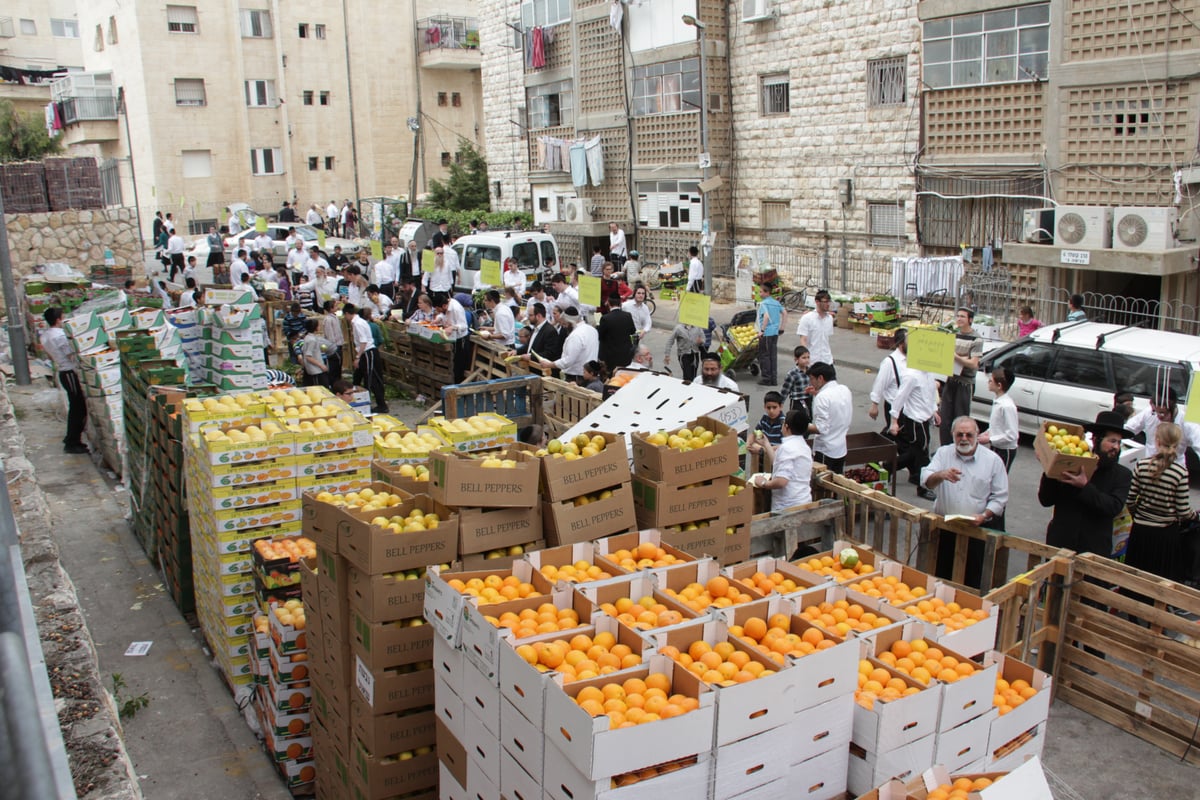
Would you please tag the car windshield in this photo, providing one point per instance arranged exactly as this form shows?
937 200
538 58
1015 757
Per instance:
305 232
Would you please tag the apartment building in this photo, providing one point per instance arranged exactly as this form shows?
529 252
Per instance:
37 37
263 101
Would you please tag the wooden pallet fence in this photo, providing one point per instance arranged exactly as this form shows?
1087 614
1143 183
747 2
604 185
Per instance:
1031 608
891 526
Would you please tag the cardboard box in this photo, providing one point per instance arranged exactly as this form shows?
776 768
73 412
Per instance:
1012 754
555 558
320 521
388 691
1054 463
662 463
390 644
801 579
1024 782
737 544
469 441
822 777
481 699
388 597
483 750
973 639
741 503
707 540
448 664
821 728
658 504
522 740
481 640
869 769
377 550
566 523
309 593
902 573
516 782
443 606
865 556
563 479
609 545
832 593
499 563
564 782
379 777
965 744
391 734
457 480
483 529
1031 713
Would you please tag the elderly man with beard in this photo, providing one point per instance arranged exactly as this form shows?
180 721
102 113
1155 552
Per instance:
711 375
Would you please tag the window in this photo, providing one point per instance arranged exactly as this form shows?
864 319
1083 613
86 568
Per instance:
260 94
64 28
28 27
441 98
197 164
303 30
445 159
256 23
550 104
775 94
313 161
308 98
456 99
98 41
885 222
666 88
265 161
776 214
1132 117
548 252
536 13
543 203
182 19
1007 45
887 81
112 30
1078 367
189 92
328 162
1139 375
1028 360
318 31
659 24
670 204
324 98
199 227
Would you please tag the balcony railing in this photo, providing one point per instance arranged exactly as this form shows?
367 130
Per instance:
454 33
85 96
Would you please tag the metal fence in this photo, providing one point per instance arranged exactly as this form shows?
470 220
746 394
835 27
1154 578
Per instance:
829 269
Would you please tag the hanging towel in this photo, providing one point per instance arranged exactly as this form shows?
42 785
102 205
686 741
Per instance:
539 49
554 154
615 14
595 160
541 153
579 162
548 35
987 258
564 155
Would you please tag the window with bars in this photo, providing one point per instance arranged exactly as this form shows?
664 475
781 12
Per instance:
196 163
550 104
445 159
775 94
885 223
670 204
189 92
666 88
318 31
313 162
443 98
1003 46
266 161
182 19
256 23
260 94
776 214
887 81
456 99
199 227
1129 118
64 28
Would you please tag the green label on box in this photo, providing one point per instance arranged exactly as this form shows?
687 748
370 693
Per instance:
364 631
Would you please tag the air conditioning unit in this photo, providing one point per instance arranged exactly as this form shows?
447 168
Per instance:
1144 228
575 211
1037 226
756 11
1085 227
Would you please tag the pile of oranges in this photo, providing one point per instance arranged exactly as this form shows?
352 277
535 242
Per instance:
718 592
579 572
925 663
952 615
775 639
891 588
646 555
636 701
720 664
828 565
629 778
775 582
494 588
580 657
877 684
644 614
547 618
1010 695
959 789
842 616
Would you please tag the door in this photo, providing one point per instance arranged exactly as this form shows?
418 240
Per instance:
1030 363
1078 388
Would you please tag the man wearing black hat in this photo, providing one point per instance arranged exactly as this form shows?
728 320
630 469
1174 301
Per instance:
441 237
1084 508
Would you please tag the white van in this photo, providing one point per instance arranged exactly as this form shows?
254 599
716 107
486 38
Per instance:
531 250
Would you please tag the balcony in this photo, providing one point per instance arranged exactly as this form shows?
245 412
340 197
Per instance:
448 43
88 103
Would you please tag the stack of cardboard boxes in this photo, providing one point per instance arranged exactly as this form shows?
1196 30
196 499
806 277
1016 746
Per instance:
235 339
589 497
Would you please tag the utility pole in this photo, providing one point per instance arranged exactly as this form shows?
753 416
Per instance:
16 329
705 155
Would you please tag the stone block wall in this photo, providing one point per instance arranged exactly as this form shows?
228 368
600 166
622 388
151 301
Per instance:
76 238
503 73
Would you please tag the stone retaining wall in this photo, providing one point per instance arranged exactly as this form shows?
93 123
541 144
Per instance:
76 238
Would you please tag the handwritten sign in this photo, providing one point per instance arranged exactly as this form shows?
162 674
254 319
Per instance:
693 309
1192 412
589 290
428 260
931 351
260 224
376 250
321 238
489 272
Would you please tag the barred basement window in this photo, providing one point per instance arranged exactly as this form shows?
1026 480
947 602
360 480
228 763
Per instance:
887 81
776 214
775 93
885 222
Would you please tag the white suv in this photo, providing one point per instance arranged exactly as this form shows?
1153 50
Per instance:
1070 372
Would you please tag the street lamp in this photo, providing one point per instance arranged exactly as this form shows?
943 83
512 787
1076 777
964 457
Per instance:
705 157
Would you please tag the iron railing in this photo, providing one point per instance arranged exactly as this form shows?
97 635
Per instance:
456 33
830 268
81 109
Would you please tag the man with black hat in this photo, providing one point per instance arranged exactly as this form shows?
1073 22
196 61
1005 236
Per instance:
441 236
1084 508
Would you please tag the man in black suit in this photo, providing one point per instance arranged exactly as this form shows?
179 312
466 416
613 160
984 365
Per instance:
545 342
617 335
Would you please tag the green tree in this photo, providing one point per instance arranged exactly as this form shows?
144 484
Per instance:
23 137
467 187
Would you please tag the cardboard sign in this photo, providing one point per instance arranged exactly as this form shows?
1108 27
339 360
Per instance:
693 309
1192 412
428 260
489 272
260 224
321 238
589 290
377 250
931 351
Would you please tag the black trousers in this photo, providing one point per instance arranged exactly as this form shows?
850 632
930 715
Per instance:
768 358
176 264
956 402
76 406
1007 456
945 555
369 374
462 352
333 360
689 362
834 464
912 444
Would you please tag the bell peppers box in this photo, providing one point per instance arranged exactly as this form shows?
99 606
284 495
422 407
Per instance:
741 503
481 640
483 529
377 776
563 479
744 709
1026 782
382 645
737 544
501 558
458 480
567 523
391 734
309 592
388 691
821 728
608 548
706 539
320 520
1054 463
1032 712
382 471
666 464
597 752
658 505
975 638
376 550
387 597
966 744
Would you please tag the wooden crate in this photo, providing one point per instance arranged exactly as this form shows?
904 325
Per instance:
564 404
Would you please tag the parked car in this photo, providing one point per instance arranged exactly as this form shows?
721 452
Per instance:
531 250
278 232
1070 372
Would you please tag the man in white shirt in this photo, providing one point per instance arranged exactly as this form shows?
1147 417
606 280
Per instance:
379 303
580 345
441 279
313 217
58 347
451 257
169 224
912 409
816 328
383 274
642 358
263 242
356 285
314 262
637 308
238 268
537 294
368 372
323 286
295 261
233 223
1165 408
711 374
291 238
887 381
790 481
695 276
504 326
568 296
175 247
331 218
833 408
617 250
456 329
